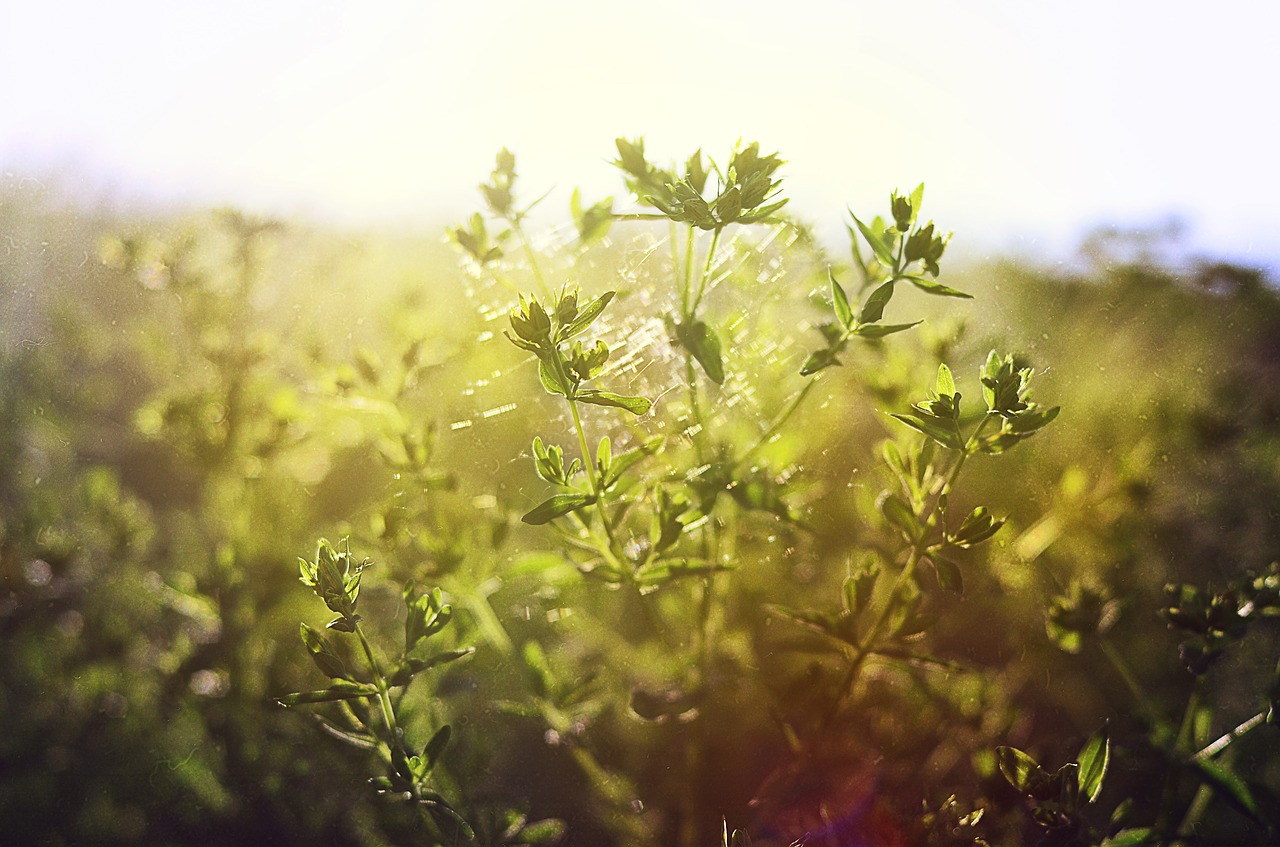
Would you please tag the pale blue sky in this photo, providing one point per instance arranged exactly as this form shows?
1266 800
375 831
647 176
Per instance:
1028 121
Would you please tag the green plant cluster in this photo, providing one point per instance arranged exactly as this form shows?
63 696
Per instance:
692 579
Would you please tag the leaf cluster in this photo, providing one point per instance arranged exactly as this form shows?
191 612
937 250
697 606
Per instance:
1210 621
561 370
744 192
335 577
1058 799
899 253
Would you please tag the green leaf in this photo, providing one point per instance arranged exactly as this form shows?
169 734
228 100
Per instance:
593 222
918 659
936 288
1022 771
947 436
881 330
819 360
812 620
604 456
1230 787
431 752
329 662
860 585
342 623
1132 837
550 380
521 343
917 197
946 384
1032 420
949 576
1094 758
873 309
412 667
700 340
623 462
546 831
337 691
977 527
634 405
882 250
425 615
668 570
557 506
535 658
363 740
840 301
446 817
900 515
763 213
587 316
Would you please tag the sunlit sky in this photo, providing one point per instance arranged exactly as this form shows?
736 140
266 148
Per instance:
1028 121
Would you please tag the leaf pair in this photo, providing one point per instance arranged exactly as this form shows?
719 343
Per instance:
864 325
938 416
1058 797
896 247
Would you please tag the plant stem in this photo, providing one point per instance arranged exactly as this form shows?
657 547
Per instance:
590 467
1140 698
868 642
687 280
640 216
1199 803
384 696
695 408
706 272
532 257
778 422
796 401
1222 743
1173 780
588 463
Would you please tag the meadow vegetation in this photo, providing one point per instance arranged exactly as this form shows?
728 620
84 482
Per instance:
664 525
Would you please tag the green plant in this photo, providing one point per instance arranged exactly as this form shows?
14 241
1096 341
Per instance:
722 584
335 577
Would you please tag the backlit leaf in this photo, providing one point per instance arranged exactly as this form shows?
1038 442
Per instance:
555 507
700 340
634 405
882 250
840 301
1094 758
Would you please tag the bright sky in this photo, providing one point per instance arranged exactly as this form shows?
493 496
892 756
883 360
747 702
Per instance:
1028 121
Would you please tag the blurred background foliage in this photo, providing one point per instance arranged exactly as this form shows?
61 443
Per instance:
188 401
